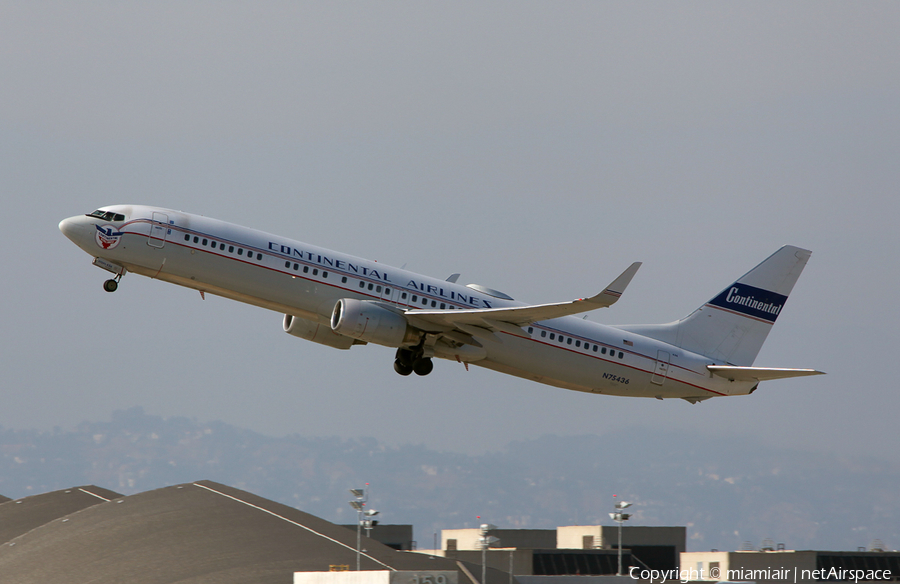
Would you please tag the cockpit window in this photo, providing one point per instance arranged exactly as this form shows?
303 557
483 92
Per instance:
107 215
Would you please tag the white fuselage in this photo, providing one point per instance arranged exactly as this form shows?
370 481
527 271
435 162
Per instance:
305 281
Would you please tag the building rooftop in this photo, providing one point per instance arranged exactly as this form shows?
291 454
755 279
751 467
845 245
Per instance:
192 533
23 515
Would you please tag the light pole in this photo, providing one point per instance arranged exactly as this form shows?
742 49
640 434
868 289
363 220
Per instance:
358 504
368 522
620 518
484 542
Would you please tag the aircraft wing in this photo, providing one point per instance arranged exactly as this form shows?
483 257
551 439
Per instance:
482 322
758 373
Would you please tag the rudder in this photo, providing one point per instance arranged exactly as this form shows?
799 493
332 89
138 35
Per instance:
733 325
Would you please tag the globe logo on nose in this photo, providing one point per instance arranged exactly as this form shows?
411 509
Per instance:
107 237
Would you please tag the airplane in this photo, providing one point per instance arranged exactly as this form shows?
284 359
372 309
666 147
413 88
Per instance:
341 301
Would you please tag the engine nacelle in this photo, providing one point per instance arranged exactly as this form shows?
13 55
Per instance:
317 333
367 321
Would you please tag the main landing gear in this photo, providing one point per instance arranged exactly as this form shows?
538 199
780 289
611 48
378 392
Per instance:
412 360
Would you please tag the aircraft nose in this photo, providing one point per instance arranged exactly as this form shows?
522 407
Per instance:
71 227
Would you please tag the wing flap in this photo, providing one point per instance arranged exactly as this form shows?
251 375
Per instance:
758 373
479 332
499 325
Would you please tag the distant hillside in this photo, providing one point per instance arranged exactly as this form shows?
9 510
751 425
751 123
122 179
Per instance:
726 491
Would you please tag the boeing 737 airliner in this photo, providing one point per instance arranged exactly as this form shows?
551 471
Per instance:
341 301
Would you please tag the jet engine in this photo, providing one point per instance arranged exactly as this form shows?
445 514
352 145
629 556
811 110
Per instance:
370 322
317 333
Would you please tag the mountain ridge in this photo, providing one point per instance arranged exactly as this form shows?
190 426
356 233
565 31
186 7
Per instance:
727 490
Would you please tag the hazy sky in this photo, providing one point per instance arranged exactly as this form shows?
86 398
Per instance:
537 148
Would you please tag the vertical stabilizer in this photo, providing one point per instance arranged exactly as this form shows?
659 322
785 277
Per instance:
732 327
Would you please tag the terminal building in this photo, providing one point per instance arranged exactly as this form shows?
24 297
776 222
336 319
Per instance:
208 533
787 566
573 550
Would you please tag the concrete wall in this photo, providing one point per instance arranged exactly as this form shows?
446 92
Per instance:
701 562
607 537
396 536
467 539
636 536
575 580
572 537
498 559
762 567
377 577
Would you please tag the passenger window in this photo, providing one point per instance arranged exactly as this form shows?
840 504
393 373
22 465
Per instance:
594 348
552 336
196 239
530 329
603 351
362 284
403 296
443 306
305 269
415 298
259 256
287 264
230 249
203 242
387 291
577 343
324 274
543 333
240 251
424 302
569 341
378 289
187 237
371 286
344 280
296 267
315 271
621 354
222 246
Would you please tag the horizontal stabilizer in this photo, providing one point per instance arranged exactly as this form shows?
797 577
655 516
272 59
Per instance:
758 373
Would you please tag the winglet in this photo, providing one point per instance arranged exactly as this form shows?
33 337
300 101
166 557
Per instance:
614 291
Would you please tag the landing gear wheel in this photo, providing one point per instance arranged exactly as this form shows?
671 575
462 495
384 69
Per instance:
405 357
110 285
402 368
422 366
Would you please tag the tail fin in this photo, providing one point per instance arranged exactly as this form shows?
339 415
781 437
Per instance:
733 325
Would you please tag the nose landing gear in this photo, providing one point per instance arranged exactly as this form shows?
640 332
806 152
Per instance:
112 284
